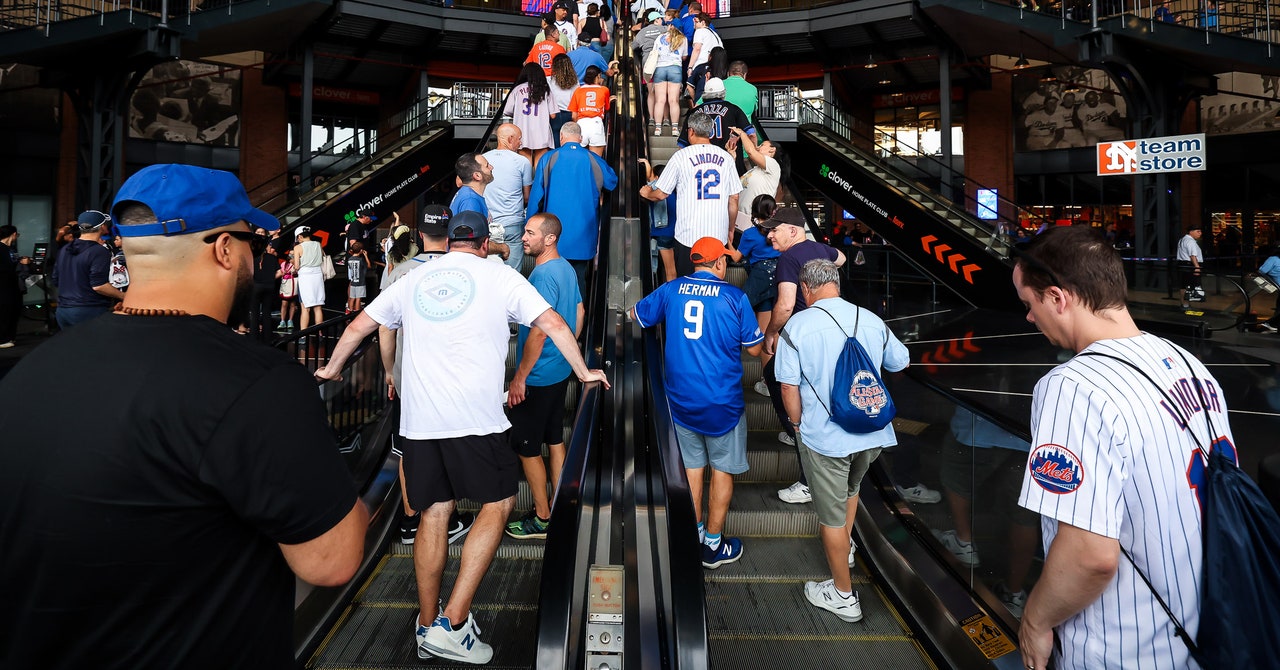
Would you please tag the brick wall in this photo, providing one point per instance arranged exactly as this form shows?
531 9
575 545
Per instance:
263 136
988 139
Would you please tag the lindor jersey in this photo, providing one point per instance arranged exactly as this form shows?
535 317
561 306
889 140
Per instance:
708 321
702 176
589 101
1110 455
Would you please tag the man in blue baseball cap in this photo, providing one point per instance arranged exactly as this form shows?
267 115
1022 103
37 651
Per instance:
181 457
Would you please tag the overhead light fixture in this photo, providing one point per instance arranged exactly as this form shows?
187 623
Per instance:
871 63
885 81
1022 63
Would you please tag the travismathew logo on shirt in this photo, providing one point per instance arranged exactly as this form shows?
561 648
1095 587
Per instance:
444 294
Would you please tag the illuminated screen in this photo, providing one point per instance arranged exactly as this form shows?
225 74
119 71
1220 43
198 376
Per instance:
987 204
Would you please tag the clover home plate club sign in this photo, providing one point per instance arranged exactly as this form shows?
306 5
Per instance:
1176 153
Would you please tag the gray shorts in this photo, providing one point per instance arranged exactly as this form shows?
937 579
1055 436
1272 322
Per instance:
832 481
727 453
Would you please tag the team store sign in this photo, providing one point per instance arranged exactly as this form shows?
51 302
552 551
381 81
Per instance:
1176 153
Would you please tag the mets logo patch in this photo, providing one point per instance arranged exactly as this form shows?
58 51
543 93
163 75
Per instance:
867 394
1056 469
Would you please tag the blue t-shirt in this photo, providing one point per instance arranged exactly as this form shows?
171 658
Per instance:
708 322
793 259
755 247
584 57
558 284
467 200
1271 268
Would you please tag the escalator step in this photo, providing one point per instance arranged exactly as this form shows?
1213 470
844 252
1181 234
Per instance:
787 560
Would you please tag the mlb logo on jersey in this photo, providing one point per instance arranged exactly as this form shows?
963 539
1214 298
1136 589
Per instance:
1056 469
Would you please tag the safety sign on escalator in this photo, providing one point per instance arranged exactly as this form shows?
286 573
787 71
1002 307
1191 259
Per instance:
987 636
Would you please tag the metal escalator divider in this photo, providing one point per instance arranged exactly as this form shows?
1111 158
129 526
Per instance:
936 235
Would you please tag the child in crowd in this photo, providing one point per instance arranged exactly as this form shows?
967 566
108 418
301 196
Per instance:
357 272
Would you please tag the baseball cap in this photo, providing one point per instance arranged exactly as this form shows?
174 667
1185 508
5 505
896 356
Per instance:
707 250
652 15
435 221
90 219
584 38
789 215
714 86
187 199
468 225
300 231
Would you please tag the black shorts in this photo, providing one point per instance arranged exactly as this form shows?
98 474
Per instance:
539 419
480 468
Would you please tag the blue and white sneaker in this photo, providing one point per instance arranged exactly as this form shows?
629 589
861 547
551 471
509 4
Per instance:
460 644
420 631
730 551
824 595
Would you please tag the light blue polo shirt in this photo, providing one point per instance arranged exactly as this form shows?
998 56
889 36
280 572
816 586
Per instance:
505 194
820 342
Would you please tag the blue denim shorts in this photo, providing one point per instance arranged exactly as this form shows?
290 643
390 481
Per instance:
669 74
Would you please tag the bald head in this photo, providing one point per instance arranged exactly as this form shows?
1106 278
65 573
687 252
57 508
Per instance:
509 137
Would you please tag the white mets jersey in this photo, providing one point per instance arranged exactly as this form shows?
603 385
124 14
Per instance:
702 176
1112 455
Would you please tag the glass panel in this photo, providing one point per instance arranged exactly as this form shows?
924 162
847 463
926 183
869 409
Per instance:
31 214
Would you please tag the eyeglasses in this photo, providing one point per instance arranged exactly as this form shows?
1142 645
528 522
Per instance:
257 243
1020 252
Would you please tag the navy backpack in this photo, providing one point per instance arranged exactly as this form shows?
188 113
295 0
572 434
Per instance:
859 401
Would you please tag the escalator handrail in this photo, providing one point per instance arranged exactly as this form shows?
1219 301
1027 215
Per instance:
410 114
855 130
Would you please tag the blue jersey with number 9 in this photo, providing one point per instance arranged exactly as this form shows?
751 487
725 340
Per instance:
708 321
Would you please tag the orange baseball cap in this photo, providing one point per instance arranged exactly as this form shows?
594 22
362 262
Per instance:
707 250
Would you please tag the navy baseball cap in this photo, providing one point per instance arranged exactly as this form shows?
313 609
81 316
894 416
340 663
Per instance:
435 221
187 199
92 218
468 225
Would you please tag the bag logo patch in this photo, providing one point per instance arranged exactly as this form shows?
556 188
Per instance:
867 393
1056 469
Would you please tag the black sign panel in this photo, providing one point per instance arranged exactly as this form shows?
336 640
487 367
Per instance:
950 256
386 190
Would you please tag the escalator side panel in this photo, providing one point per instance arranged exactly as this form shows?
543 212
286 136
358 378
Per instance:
956 260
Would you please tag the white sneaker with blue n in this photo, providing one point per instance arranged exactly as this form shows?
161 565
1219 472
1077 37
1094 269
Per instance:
457 643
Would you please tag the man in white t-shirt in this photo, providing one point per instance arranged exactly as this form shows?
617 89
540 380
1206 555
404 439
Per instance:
1189 258
705 180
705 39
507 194
455 311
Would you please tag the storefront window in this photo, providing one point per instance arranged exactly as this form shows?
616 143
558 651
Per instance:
915 131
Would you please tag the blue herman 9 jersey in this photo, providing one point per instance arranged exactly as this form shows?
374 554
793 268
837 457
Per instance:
708 321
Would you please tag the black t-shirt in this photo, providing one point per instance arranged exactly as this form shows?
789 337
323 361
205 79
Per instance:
793 259
265 267
142 495
726 115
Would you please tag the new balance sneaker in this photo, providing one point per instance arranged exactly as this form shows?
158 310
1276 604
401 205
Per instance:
762 388
823 595
965 552
1014 602
409 528
528 528
919 494
853 547
459 525
730 551
461 643
786 439
795 494
420 631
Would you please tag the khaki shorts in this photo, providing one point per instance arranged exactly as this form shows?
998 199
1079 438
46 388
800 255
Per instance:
832 481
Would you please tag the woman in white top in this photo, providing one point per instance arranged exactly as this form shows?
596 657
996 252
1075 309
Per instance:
671 49
563 82
308 257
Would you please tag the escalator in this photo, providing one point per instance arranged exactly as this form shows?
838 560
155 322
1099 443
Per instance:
955 247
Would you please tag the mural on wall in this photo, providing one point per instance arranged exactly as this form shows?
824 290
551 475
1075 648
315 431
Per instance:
1061 106
187 101
1246 103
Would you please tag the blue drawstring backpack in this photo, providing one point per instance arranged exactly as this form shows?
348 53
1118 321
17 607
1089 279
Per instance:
859 401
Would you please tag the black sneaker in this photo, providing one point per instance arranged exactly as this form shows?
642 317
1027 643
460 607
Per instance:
409 528
460 525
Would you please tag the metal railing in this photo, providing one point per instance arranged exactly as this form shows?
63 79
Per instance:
1247 18
477 101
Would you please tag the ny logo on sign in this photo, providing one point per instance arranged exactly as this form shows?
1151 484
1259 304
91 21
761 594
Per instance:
1118 157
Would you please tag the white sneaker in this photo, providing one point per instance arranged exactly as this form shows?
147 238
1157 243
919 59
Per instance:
9 345
919 494
853 547
462 644
1265 326
762 388
795 494
964 552
786 439
824 595
1014 602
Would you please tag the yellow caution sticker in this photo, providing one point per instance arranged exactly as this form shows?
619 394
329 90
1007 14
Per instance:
987 636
